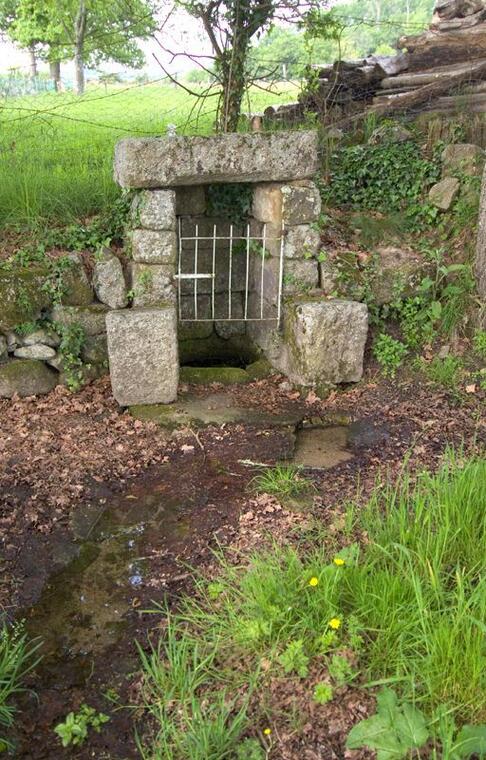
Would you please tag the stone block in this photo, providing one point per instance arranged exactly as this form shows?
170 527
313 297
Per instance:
190 200
301 203
38 351
462 158
194 330
143 355
154 246
22 296
324 341
77 290
328 277
233 157
95 350
267 203
3 348
399 271
153 284
26 377
301 242
155 210
443 194
42 335
91 318
109 281
300 276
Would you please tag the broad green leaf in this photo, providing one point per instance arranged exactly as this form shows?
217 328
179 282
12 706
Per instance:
376 733
471 740
411 727
387 705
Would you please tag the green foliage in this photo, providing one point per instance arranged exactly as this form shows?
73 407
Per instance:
16 661
73 338
250 749
281 480
294 660
389 353
394 731
443 371
55 284
340 670
230 201
74 730
323 693
479 343
387 178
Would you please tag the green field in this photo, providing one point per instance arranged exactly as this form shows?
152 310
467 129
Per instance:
56 150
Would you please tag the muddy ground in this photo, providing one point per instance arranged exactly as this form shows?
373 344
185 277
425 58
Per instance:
103 516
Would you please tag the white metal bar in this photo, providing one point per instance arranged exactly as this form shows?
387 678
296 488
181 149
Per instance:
230 271
233 319
194 276
213 284
196 244
179 265
264 239
280 273
235 237
247 268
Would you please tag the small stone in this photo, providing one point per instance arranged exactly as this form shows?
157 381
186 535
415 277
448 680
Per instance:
399 272
443 194
300 276
153 284
301 203
109 281
3 348
90 318
13 341
328 277
462 158
154 247
37 351
143 354
76 287
26 377
155 210
47 337
393 133
301 242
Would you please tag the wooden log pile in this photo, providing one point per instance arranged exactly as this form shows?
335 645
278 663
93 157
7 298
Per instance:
443 69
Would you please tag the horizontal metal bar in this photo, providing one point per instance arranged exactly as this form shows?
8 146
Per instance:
257 237
193 276
226 319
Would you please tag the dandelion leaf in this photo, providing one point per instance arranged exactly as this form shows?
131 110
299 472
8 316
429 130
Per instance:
471 740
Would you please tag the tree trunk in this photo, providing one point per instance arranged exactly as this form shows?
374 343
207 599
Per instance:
79 34
33 62
234 83
55 72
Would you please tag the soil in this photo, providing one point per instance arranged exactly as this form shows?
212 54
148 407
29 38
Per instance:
103 516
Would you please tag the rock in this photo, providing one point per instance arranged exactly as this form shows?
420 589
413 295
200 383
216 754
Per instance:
267 203
26 377
95 350
399 272
155 210
154 247
76 287
22 297
259 369
301 203
109 281
12 341
190 200
143 355
443 194
233 157
393 133
90 318
42 335
37 351
301 242
300 276
324 341
328 276
153 284
462 158
3 348
207 375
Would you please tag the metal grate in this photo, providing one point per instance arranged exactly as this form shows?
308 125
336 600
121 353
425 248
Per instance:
256 298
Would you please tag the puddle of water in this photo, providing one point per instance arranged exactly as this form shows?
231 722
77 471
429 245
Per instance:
81 609
321 447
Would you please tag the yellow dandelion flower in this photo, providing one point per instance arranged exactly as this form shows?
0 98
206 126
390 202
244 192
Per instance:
267 731
338 561
314 581
335 623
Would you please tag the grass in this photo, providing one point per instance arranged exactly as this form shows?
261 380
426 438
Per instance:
56 150
406 609
16 660
281 480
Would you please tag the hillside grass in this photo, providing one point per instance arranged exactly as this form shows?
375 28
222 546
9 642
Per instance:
56 150
404 607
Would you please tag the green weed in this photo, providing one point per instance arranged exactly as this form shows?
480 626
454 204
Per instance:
445 372
479 343
74 730
281 480
389 353
17 659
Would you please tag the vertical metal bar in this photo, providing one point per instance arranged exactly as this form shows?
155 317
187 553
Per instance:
196 243
230 270
213 282
280 273
179 269
264 241
247 268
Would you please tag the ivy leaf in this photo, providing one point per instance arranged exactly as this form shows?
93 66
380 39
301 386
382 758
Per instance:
471 740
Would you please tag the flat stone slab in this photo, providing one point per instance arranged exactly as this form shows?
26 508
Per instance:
143 355
255 157
215 409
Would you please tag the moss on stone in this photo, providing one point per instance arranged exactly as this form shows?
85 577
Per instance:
22 297
259 369
198 350
207 375
26 377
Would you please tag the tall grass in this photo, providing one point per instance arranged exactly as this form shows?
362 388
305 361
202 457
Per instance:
56 150
16 660
410 604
